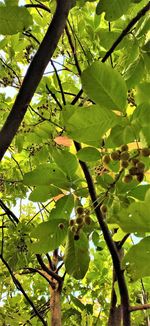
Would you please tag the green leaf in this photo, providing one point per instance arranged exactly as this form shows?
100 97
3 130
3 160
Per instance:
139 192
142 113
76 256
88 154
135 73
63 208
136 261
66 161
49 235
43 193
46 174
105 86
142 93
113 9
14 19
78 304
89 124
135 218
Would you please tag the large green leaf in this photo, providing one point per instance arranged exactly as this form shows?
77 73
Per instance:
76 256
105 86
113 9
14 19
49 235
66 161
46 174
88 154
43 193
142 93
63 208
89 124
136 261
136 217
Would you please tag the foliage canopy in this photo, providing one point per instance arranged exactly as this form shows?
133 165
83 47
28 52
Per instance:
74 174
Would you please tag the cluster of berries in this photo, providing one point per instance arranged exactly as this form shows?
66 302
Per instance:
134 165
82 218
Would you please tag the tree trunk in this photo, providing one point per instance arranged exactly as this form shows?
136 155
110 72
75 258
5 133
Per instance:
55 306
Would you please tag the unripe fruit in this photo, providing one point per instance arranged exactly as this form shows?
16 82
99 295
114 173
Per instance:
124 148
135 161
106 159
124 164
76 237
61 226
140 177
115 156
73 229
124 156
79 220
145 152
80 210
140 165
127 178
71 222
103 209
133 170
87 220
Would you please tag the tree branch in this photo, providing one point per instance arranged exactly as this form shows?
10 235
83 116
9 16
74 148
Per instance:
47 270
9 213
34 74
20 288
140 14
140 307
110 243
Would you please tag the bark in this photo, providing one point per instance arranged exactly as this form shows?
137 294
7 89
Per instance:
55 306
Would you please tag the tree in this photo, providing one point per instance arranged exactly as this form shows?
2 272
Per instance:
74 174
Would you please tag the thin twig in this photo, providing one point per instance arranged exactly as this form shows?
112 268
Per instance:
20 288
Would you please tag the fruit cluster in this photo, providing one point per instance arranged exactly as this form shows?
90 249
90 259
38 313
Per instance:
134 165
82 218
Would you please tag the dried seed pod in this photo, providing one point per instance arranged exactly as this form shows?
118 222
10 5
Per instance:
140 177
133 170
80 210
79 220
140 165
71 222
124 156
76 237
127 178
115 156
87 220
73 229
145 152
103 209
124 164
61 226
106 159
124 148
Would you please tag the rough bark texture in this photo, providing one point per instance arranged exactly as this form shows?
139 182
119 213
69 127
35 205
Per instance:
55 307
